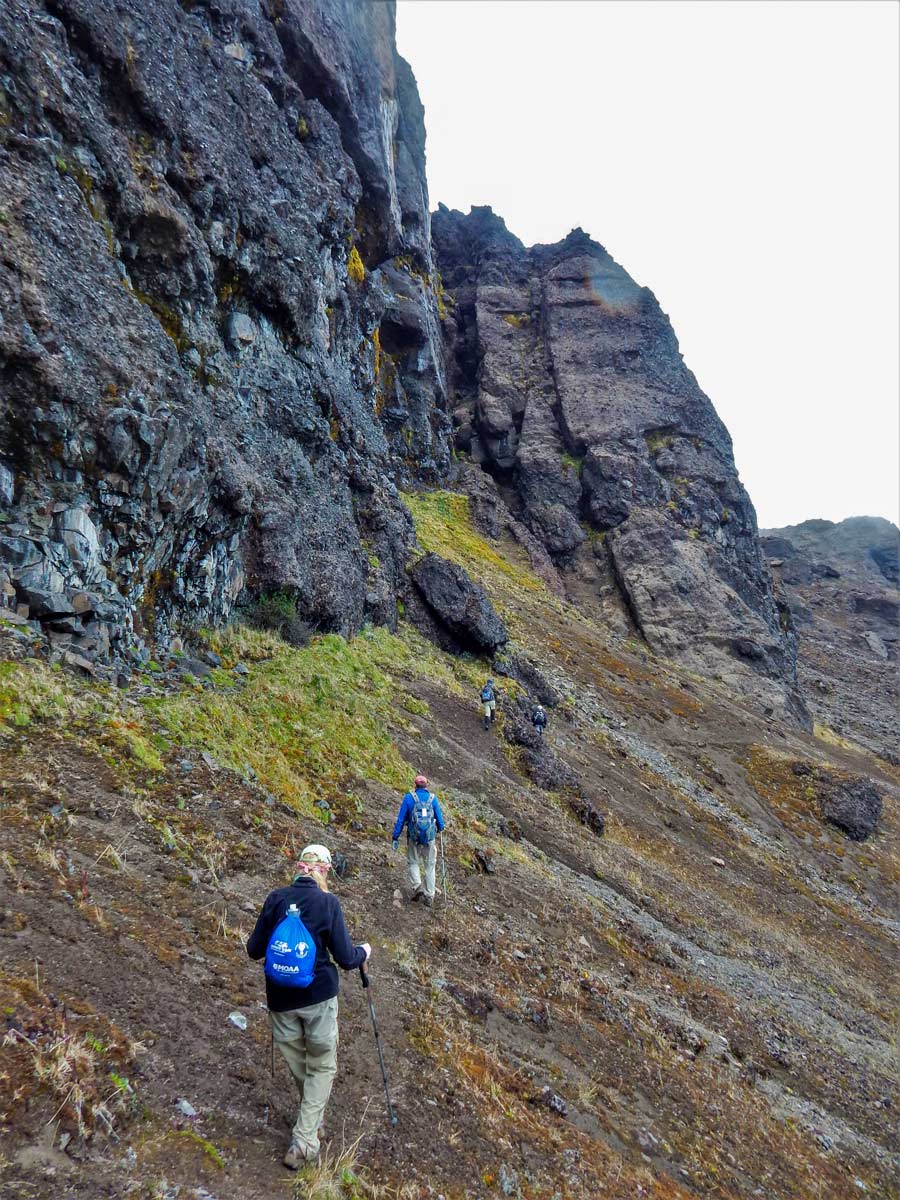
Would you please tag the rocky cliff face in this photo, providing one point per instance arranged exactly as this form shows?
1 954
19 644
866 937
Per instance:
223 346
841 581
569 389
219 344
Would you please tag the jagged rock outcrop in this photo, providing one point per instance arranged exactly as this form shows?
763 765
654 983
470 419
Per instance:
568 387
841 583
853 805
219 344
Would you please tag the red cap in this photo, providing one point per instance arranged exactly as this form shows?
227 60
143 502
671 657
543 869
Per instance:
421 781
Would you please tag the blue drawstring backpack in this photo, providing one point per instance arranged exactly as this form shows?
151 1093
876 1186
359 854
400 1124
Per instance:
291 952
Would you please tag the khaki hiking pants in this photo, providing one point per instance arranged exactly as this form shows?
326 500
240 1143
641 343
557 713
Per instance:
308 1041
418 859
490 708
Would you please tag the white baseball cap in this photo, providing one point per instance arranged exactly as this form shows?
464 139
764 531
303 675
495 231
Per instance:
316 854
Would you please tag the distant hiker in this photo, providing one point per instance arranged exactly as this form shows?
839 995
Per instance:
299 930
421 813
489 701
539 719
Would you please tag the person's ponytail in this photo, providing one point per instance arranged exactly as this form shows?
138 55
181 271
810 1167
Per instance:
319 876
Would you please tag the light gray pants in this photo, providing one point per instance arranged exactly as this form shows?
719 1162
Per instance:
308 1041
418 859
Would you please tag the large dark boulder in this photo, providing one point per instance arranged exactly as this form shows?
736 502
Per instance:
853 804
459 604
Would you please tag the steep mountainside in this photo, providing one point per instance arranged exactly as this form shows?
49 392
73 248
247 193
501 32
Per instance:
224 340
288 467
665 968
841 582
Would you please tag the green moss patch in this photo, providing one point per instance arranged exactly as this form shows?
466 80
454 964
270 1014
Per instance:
444 525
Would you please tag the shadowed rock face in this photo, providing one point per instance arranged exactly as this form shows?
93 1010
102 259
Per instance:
568 387
211 215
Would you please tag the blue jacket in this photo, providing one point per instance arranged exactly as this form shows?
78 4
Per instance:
409 802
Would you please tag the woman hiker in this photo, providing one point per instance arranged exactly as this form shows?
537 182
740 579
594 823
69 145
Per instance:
304 1018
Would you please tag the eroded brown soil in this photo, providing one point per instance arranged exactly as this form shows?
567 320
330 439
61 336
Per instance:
701 1003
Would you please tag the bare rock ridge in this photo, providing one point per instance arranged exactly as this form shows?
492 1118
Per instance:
226 348
569 389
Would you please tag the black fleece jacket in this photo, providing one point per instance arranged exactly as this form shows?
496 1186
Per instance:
321 914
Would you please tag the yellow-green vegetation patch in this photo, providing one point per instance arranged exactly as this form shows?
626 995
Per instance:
444 525
30 691
791 794
830 738
308 720
355 269
209 1150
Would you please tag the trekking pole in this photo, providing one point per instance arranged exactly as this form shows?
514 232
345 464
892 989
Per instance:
392 1116
272 1051
443 869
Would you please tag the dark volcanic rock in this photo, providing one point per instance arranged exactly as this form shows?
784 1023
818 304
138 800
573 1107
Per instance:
840 583
568 387
853 805
588 815
209 211
460 605
223 347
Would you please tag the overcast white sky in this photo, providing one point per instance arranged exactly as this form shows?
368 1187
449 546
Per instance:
740 159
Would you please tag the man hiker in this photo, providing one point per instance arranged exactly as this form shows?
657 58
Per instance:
489 701
301 933
539 719
421 813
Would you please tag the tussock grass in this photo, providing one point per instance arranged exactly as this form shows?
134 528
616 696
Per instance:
338 1177
78 1063
310 720
31 691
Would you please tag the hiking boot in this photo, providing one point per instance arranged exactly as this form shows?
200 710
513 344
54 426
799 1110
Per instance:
298 1156
493 717
486 722
417 895
428 901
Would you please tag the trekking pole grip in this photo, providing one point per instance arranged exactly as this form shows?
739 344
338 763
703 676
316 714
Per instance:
364 975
